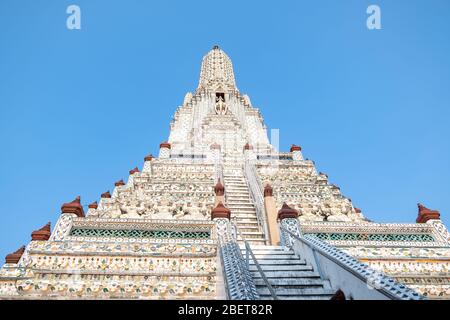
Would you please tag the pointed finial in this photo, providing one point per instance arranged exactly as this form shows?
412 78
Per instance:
14 257
133 171
287 212
74 207
119 183
268 191
219 189
42 234
166 145
426 214
106 195
93 205
220 211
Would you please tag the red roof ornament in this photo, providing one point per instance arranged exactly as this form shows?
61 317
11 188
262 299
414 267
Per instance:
215 146
93 205
426 214
287 212
119 183
248 146
220 212
268 191
133 171
148 158
106 195
165 145
14 257
219 189
42 234
323 174
74 207
295 148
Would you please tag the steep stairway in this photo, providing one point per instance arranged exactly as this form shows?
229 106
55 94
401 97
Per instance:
288 274
239 201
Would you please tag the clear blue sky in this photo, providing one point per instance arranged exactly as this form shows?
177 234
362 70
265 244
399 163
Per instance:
79 109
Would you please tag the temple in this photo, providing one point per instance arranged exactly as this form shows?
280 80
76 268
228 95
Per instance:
221 213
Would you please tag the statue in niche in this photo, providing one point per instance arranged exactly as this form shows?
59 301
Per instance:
221 107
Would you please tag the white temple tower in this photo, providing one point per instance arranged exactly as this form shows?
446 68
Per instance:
222 214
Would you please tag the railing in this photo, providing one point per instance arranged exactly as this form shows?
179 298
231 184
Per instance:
256 193
345 272
238 279
248 253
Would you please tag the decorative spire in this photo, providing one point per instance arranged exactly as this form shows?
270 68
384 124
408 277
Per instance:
133 171
287 212
93 205
74 207
119 183
220 212
219 189
295 148
268 191
426 214
148 158
217 71
42 234
14 257
106 195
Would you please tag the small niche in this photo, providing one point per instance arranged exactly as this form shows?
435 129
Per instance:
220 95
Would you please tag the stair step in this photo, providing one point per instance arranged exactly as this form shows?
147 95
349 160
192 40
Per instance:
248 225
253 241
271 252
295 283
261 257
249 229
258 233
247 222
277 262
238 196
234 205
303 292
286 275
271 247
290 267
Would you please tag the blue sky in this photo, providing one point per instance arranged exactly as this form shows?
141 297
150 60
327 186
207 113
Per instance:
79 109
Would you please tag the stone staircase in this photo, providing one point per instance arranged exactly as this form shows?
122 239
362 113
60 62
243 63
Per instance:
289 276
239 201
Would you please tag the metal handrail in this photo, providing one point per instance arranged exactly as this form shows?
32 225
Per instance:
248 253
393 294
257 196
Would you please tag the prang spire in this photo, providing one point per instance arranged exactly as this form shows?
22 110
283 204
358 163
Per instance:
217 72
